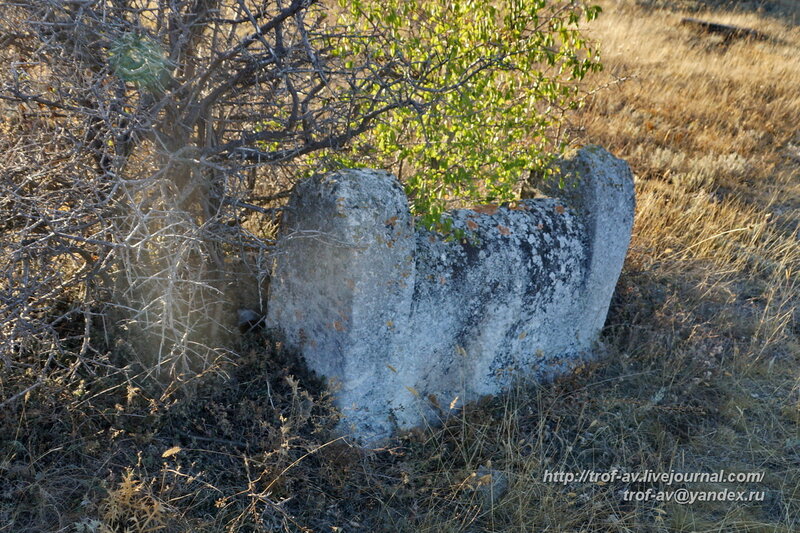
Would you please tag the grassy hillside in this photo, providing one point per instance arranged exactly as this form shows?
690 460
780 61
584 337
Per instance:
702 371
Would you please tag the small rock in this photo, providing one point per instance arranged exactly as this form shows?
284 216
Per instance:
249 320
491 485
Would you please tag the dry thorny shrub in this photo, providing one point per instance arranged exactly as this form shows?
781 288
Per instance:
145 145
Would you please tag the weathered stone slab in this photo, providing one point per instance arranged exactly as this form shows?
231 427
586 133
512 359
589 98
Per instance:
407 325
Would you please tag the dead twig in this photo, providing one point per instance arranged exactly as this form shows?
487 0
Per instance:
728 31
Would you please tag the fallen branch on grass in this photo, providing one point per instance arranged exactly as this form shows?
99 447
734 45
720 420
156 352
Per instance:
728 31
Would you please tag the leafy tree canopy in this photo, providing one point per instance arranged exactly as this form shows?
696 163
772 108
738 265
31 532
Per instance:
488 82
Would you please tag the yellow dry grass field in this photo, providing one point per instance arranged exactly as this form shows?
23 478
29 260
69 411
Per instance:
702 371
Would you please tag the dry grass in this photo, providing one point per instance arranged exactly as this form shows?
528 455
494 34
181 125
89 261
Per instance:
702 372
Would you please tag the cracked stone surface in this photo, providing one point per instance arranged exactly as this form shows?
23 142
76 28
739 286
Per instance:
408 326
